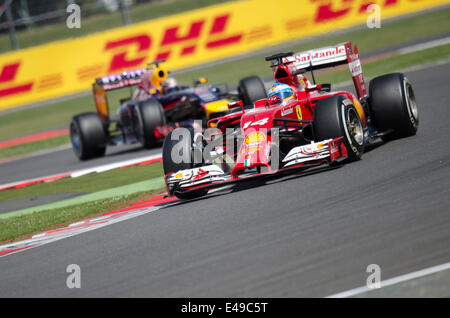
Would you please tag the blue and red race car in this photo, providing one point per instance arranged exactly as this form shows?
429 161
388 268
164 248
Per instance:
156 107
298 126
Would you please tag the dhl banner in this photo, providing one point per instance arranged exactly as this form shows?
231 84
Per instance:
186 39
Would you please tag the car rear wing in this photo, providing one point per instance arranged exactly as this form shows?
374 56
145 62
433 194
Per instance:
325 57
129 78
116 81
318 58
111 82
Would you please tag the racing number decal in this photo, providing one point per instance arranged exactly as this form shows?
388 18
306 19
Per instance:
256 123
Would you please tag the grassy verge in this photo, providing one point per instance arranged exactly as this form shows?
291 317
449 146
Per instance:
101 22
43 118
23 227
35 146
89 183
52 116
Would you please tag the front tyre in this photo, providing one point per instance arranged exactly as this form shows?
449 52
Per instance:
336 116
251 89
187 147
393 105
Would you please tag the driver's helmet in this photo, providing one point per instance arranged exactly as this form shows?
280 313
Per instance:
169 85
283 92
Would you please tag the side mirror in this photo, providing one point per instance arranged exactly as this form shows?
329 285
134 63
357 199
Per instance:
239 103
319 87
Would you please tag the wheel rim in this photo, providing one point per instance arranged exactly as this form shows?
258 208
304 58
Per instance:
75 138
139 130
354 126
411 102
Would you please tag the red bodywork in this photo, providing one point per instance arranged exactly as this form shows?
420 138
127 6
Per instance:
256 123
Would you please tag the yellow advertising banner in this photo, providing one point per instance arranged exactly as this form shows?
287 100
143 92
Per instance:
183 40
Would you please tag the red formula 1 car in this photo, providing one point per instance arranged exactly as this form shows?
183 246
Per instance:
298 126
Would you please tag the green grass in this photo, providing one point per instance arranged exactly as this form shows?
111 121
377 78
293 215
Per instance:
88 183
20 226
101 22
35 146
47 117
15 227
52 116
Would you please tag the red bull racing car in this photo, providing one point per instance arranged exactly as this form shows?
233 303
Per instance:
298 125
157 106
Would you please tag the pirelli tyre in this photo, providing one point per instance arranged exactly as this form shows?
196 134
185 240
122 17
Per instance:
336 116
251 89
149 114
393 105
88 136
182 149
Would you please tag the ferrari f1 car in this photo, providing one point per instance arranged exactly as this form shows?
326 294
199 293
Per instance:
298 126
157 106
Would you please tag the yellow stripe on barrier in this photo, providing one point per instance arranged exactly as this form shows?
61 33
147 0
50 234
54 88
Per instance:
186 39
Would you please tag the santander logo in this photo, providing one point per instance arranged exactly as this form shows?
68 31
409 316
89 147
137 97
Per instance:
320 54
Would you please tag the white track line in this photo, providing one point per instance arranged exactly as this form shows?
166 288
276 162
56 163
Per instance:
114 165
42 239
393 281
79 173
424 46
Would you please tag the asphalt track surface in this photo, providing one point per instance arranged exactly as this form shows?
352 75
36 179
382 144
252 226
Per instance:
298 236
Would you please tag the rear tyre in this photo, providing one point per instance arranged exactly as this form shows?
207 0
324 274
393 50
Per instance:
189 148
336 116
149 114
88 136
251 89
393 105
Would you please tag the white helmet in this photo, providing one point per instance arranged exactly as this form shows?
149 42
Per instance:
169 84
